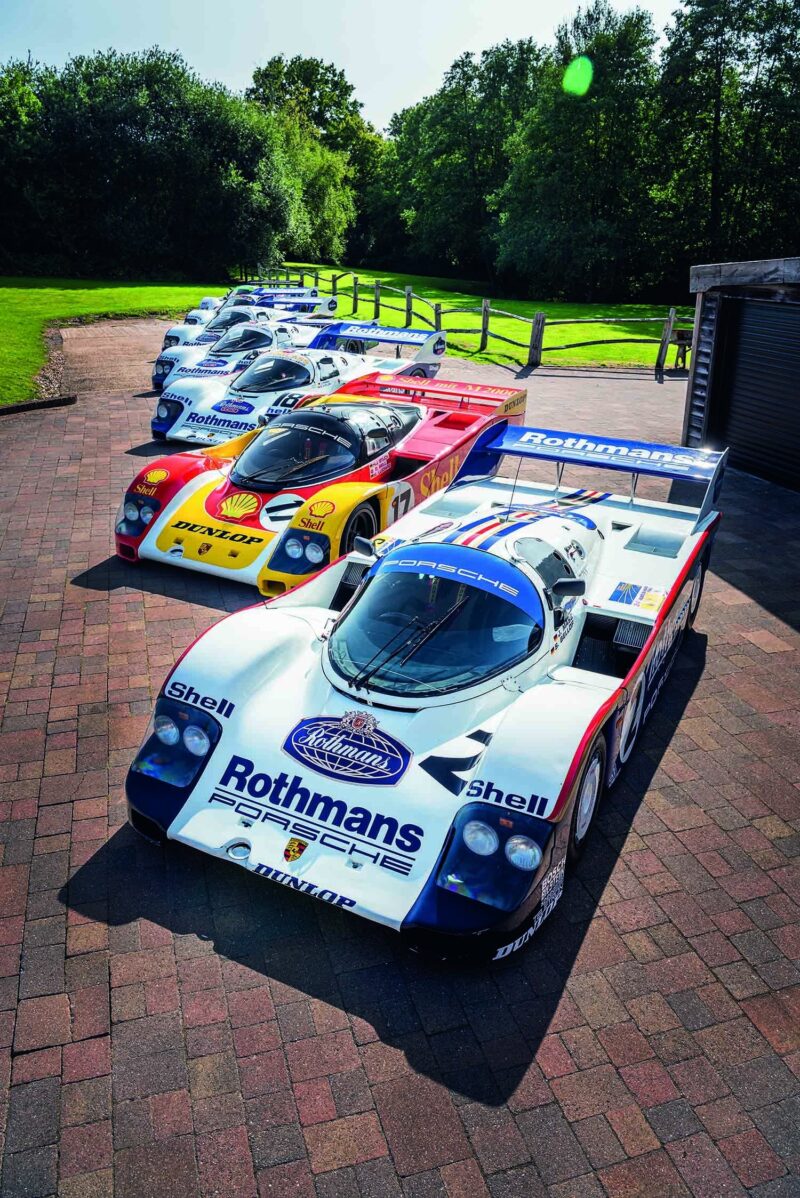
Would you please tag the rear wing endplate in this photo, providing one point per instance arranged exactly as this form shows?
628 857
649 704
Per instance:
601 452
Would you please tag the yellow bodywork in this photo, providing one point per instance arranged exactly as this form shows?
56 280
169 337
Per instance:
195 536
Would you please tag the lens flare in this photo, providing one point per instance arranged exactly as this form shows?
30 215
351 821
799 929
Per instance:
578 76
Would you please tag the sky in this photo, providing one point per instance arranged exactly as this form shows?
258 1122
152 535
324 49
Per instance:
394 53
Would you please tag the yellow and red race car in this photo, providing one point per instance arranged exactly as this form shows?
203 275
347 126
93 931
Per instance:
279 503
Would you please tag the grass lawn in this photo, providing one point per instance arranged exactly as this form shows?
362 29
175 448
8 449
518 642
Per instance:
30 305
453 293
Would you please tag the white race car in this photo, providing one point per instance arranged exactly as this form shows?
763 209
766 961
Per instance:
422 733
203 404
289 299
234 350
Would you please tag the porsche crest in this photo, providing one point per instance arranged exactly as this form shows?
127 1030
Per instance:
294 849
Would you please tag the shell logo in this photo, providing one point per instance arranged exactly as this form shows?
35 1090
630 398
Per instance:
156 476
237 506
322 507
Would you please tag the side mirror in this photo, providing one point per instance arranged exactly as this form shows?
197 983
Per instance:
563 587
262 422
364 546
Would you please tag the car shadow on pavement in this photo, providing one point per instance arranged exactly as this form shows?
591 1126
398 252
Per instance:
154 449
205 590
476 1030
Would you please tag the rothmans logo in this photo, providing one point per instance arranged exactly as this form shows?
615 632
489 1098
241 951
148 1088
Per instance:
581 445
351 749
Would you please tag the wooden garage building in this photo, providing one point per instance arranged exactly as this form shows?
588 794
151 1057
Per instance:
744 379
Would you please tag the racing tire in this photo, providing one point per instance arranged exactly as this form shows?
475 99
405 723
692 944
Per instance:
588 794
354 347
362 522
632 720
696 595
419 373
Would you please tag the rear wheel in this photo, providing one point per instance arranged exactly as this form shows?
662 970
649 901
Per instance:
419 373
589 793
361 523
697 594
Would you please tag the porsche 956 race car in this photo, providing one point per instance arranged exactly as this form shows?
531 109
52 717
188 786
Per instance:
279 503
423 737
208 402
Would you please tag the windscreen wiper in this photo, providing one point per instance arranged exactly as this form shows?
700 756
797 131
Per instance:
424 633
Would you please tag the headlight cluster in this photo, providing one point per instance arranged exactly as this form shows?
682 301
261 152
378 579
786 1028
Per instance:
493 855
135 513
163 366
177 743
300 552
170 340
314 552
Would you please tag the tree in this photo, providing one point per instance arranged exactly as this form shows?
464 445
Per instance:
575 210
450 157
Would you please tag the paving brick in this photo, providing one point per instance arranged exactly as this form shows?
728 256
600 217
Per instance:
419 1144
85 1148
224 1164
703 1167
42 1022
164 1170
751 1158
343 1142
30 1174
645 1177
33 1115
590 1092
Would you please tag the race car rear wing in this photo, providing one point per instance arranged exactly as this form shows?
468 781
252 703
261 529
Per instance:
601 452
445 394
428 345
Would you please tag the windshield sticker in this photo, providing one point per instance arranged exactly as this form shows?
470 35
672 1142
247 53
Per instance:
351 749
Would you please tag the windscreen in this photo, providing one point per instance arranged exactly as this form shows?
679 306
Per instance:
243 337
273 374
421 634
296 450
226 320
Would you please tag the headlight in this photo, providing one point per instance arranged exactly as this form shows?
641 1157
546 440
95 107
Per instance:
196 740
480 838
131 512
523 852
315 553
169 342
162 411
166 730
146 515
294 549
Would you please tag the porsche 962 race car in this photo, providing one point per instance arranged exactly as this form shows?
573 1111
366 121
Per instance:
422 737
295 299
209 400
278 503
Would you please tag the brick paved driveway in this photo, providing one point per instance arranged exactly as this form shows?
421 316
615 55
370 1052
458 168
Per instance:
175 1027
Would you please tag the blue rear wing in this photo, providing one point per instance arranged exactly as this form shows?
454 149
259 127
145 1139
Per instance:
429 345
601 452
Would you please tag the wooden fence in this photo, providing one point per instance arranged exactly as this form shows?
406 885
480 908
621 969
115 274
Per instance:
375 292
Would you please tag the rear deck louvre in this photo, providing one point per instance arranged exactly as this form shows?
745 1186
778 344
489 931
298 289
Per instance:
631 634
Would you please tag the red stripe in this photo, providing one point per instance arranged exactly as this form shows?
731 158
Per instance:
610 703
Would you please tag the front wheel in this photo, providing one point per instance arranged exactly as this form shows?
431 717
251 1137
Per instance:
587 799
362 522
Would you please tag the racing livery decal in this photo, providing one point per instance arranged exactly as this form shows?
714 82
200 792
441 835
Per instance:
351 748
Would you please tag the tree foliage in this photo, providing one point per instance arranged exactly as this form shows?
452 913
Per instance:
127 164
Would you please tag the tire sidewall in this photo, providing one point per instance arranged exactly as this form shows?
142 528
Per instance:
354 516
575 846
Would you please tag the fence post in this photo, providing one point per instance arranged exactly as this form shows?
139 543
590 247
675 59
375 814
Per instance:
663 349
409 306
437 317
302 282
355 294
484 325
334 284
316 279
376 312
537 336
